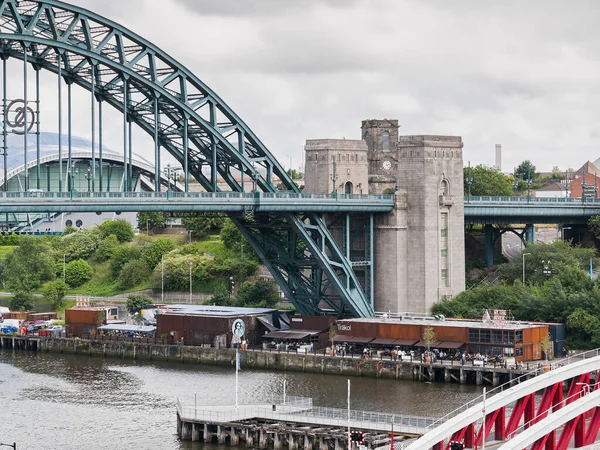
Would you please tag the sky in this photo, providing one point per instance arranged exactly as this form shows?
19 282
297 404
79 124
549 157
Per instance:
522 74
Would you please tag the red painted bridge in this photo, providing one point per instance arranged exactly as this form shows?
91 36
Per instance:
553 411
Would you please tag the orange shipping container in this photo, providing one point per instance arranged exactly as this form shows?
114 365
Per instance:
85 316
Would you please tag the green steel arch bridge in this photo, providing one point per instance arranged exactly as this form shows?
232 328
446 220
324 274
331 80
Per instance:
186 119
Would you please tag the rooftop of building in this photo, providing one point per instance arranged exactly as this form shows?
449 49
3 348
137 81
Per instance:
213 311
466 323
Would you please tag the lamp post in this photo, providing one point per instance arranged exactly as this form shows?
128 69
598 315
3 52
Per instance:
524 255
162 279
469 183
147 227
334 177
528 184
515 181
88 177
190 282
64 267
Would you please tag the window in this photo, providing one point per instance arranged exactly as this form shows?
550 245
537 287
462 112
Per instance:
519 336
444 232
348 188
519 351
444 253
507 337
316 157
496 336
444 188
473 335
386 141
484 336
444 273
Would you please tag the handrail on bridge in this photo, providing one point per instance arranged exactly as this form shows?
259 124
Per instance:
530 200
502 387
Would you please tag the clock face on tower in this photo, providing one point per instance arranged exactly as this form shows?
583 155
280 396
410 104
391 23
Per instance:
387 165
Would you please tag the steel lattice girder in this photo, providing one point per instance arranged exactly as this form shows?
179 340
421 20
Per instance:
183 115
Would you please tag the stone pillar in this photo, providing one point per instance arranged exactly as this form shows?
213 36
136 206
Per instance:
292 442
478 378
337 445
207 436
447 375
186 431
235 438
277 444
195 432
488 233
221 434
495 379
463 376
178 426
262 440
249 437
307 442
134 349
322 444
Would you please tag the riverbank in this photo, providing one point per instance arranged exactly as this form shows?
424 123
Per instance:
448 372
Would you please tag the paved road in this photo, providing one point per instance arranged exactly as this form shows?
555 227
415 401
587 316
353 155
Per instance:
512 245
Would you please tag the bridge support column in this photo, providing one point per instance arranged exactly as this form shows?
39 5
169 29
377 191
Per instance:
446 376
235 438
488 234
221 434
463 376
495 379
478 378
530 233
206 435
195 432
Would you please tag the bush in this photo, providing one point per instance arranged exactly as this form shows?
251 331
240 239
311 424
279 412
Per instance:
107 247
261 294
153 253
80 245
78 272
22 301
137 301
121 256
54 292
29 266
133 273
120 228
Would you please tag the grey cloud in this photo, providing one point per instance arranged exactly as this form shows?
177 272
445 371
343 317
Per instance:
245 8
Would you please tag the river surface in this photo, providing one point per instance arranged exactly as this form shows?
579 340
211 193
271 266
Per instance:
54 401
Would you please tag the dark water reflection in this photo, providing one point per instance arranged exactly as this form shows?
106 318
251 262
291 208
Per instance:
76 402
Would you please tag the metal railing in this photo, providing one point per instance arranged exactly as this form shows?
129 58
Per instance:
542 200
299 411
498 390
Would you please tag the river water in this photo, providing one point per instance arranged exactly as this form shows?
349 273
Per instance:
63 402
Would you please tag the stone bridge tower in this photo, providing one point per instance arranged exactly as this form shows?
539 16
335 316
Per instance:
419 248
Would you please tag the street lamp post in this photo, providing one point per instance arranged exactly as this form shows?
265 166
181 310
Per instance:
190 282
88 177
162 279
524 255
147 227
64 268
528 184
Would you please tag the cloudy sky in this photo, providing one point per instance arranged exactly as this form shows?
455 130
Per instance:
522 74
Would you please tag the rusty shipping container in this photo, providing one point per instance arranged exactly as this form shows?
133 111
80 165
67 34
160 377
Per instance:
32 317
79 329
16 315
90 316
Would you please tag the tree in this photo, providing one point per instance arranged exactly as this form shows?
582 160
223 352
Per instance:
487 181
78 272
136 302
153 253
200 226
121 256
547 346
594 226
235 241
54 293
107 247
221 298
294 174
80 245
133 274
526 170
261 294
151 220
557 174
332 333
429 338
119 227
21 301
29 265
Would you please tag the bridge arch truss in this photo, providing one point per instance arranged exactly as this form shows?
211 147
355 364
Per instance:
187 119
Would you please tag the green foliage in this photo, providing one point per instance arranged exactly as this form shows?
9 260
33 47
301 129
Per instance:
69 230
557 174
151 220
594 226
121 256
488 181
29 265
261 294
54 293
119 227
526 169
78 272
152 253
205 222
136 302
107 247
80 245
133 273
22 301
294 174
11 240
231 236
221 298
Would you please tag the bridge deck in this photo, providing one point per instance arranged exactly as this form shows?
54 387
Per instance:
48 202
